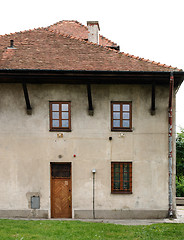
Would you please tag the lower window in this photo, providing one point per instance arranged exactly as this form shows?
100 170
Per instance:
121 177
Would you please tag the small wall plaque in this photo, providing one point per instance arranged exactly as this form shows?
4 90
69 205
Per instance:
60 135
35 202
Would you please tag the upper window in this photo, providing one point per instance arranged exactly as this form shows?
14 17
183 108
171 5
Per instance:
121 116
60 116
121 177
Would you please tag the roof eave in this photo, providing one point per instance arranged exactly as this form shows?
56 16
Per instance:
83 76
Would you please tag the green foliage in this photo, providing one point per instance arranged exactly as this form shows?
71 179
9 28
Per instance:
76 230
180 164
180 187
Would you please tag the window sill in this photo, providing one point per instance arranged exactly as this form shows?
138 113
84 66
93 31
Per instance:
121 130
60 130
60 177
121 192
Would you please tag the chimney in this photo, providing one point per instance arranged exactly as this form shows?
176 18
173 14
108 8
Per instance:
11 44
93 28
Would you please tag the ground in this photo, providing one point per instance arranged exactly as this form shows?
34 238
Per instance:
179 219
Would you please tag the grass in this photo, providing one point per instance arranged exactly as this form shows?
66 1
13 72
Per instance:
23 230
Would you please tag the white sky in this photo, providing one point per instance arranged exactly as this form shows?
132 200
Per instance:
151 29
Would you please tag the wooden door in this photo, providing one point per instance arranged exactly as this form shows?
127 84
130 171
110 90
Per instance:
61 194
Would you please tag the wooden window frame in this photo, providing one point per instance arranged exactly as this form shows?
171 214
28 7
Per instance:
121 128
60 128
121 181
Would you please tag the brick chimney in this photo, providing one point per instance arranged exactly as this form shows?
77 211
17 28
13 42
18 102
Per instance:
93 28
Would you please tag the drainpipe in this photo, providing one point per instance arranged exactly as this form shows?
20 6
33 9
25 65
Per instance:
94 171
170 144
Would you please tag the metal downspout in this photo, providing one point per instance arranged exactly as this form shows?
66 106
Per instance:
93 195
170 144
94 171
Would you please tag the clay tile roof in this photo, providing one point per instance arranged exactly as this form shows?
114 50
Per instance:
70 28
78 30
106 42
62 46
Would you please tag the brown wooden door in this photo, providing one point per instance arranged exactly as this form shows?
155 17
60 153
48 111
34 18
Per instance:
61 194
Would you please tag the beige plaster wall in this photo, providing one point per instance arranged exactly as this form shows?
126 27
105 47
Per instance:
27 147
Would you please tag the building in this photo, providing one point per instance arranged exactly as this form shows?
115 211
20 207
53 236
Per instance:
84 127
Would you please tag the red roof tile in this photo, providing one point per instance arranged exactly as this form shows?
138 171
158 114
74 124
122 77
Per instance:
70 28
78 30
62 46
106 42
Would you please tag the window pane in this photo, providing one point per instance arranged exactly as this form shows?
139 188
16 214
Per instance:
126 123
116 115
117 167
126 179
116 123
126 115
65 107
116 107
64 115
55 115
55 123
116 185
126 107
55 107
125 168
126 185
116 176
65 123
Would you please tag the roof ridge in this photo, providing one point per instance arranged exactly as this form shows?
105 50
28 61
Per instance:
24 31
75 21
41 28
72 37
81 39
108 39
150 61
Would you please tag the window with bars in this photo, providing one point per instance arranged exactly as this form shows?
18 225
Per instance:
121 177
121 116
61 170
60 116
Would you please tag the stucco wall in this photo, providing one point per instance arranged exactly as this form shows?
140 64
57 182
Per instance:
27 147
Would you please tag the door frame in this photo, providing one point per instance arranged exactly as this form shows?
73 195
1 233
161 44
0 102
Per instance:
51 184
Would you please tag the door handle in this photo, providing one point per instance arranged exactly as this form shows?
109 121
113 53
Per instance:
69 198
